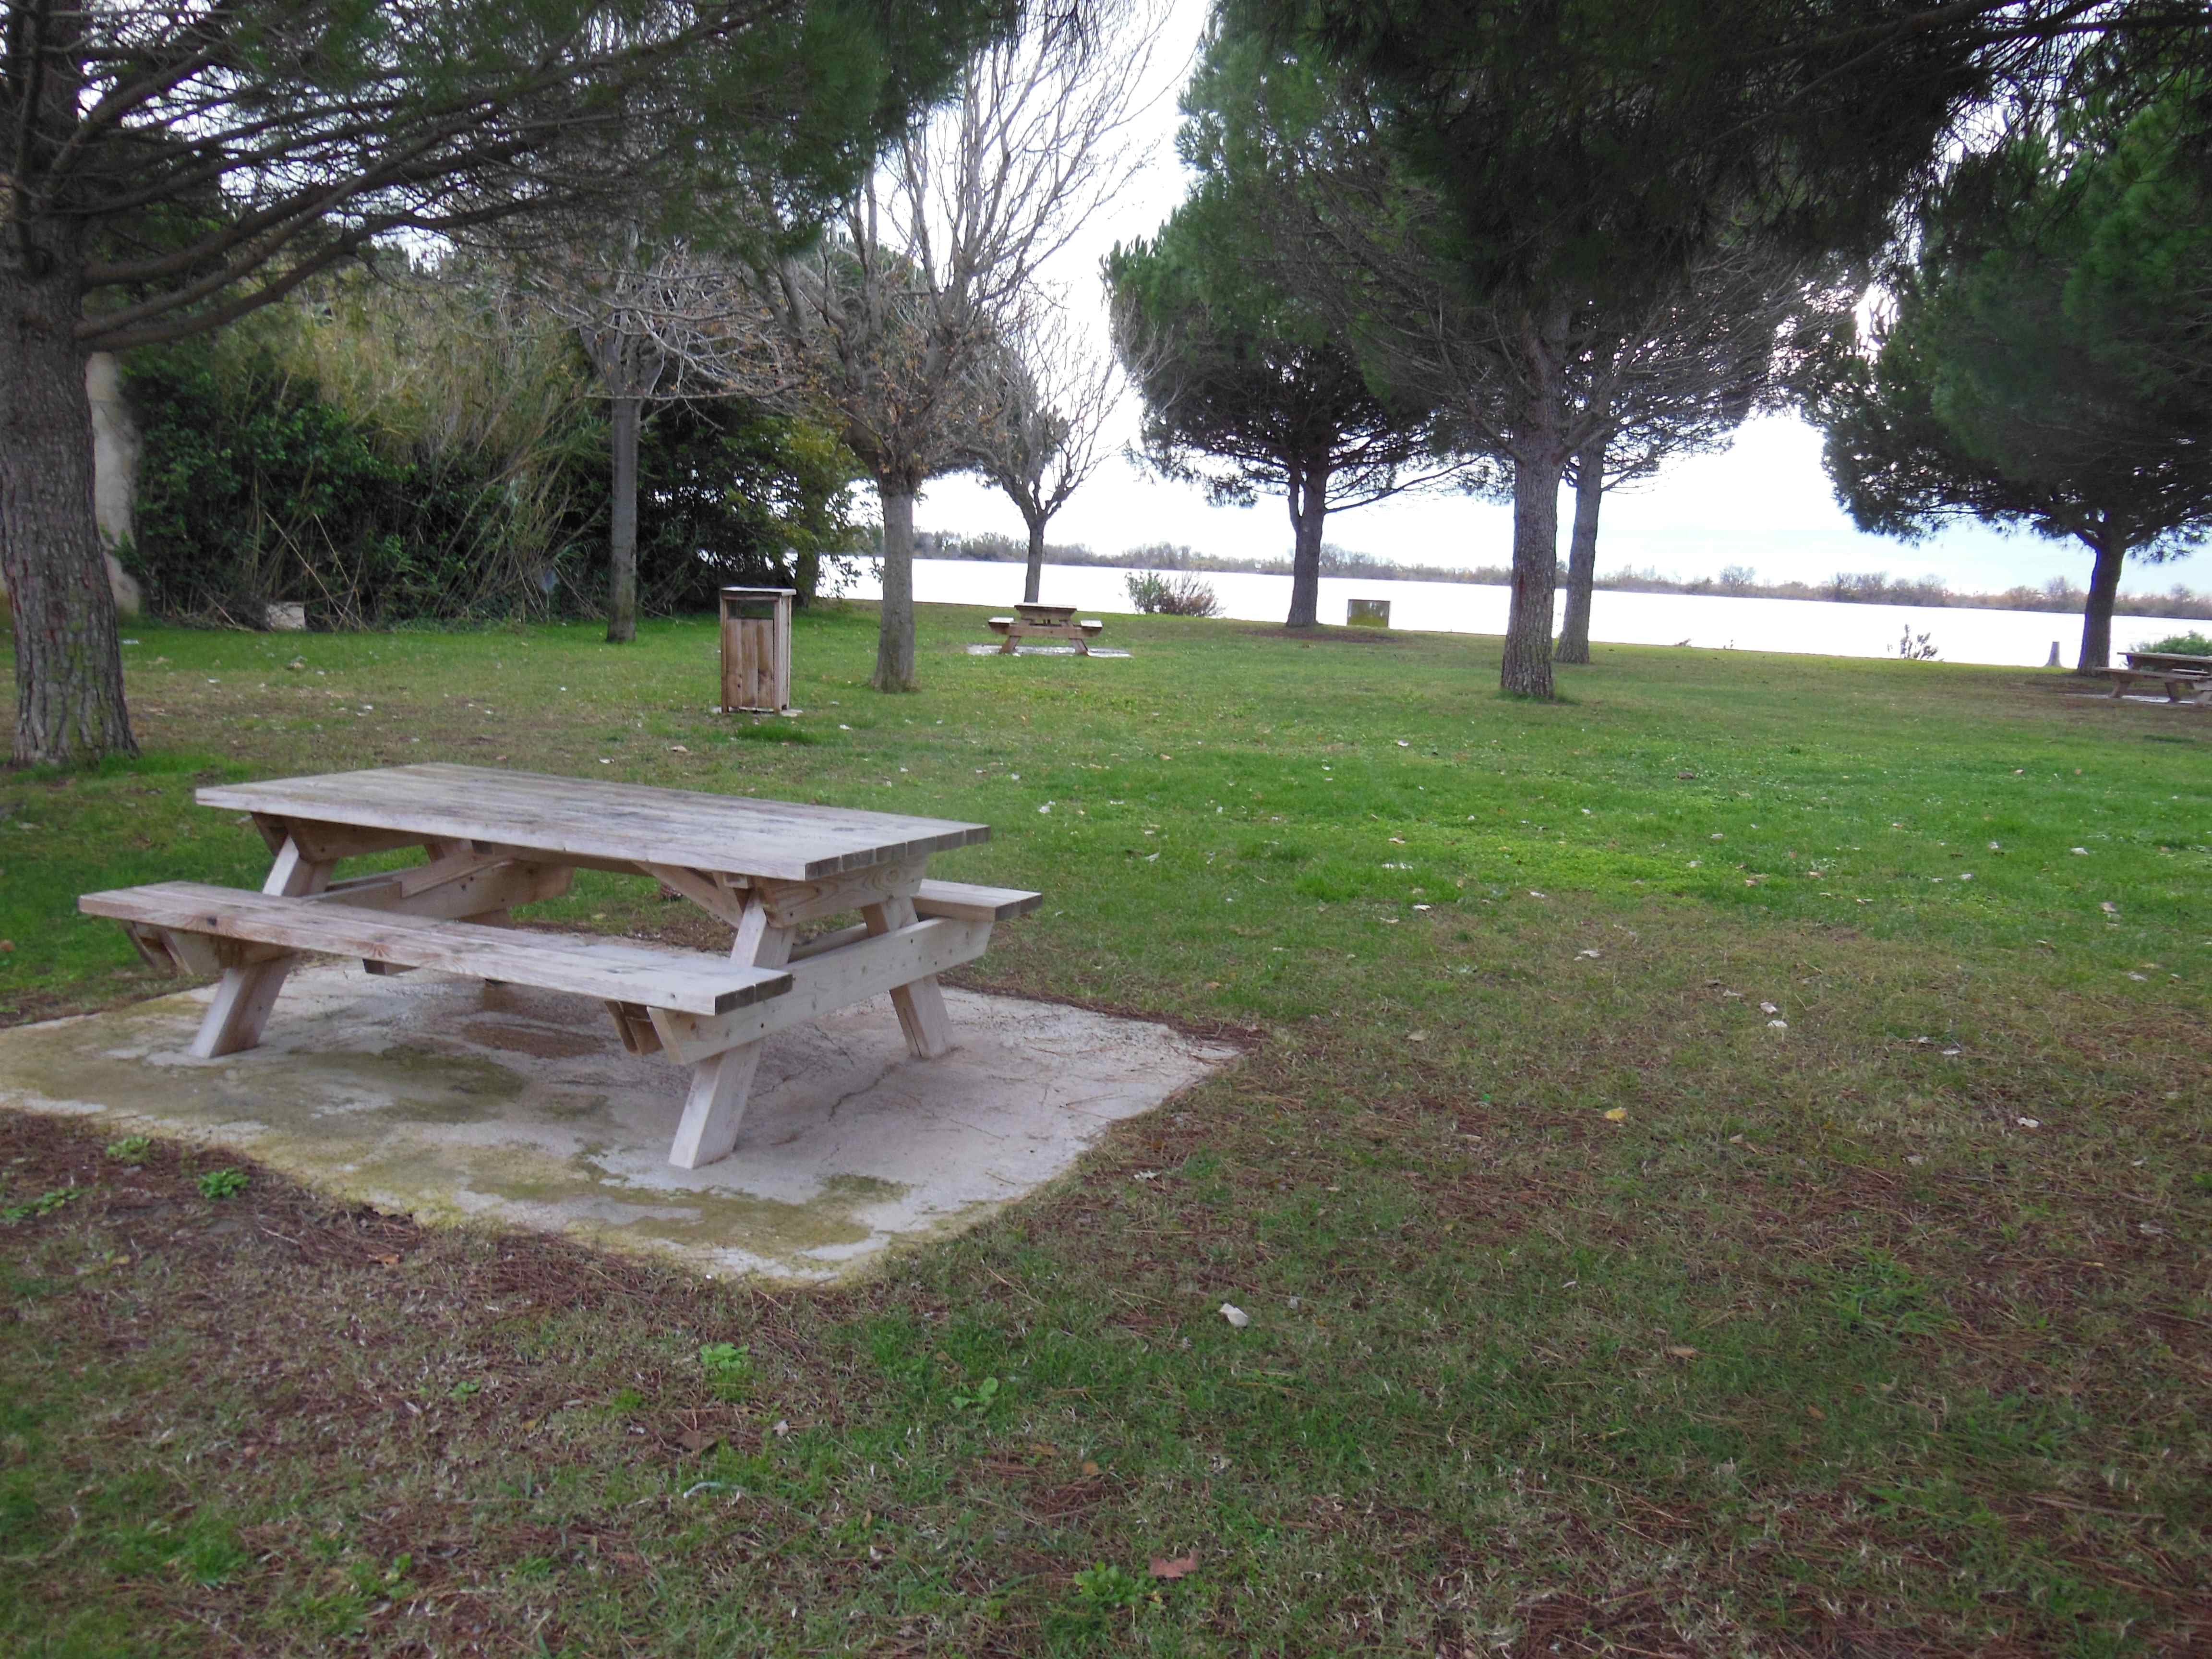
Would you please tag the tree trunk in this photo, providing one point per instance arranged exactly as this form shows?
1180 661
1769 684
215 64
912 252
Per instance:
1539 461
1034 578
2097 611
895 634
1309 494
1527 670
622 527
1582 554
68 665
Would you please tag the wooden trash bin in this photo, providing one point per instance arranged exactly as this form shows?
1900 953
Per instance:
756 649
1367 613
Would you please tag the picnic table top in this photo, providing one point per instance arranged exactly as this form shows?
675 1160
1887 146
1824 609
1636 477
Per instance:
2155 659
589 818
1029 610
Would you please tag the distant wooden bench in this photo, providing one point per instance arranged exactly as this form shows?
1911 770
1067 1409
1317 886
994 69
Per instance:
1045 622
498 839
2175 680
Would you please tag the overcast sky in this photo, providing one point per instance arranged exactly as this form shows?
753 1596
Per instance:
1765 502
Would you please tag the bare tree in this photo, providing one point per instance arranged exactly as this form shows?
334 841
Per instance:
658 320
880 328
1045 399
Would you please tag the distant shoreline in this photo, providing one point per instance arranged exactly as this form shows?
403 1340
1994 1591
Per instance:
1867 588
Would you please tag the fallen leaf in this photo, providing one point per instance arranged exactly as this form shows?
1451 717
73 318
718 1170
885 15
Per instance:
1679 1352
1816 1413
1617 1115
678 748
386 1261
1768 1008
2029 1123
1533 893
696 1440
1179 1566
1090 1468
1236 1316
1592 955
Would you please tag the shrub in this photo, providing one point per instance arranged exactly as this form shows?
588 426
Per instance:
2183 645
1183 595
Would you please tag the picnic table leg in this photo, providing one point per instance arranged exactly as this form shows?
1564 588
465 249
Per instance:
715 1110
920 1005
244 995
1007 649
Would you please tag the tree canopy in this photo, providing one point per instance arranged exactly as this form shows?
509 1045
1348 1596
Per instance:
172 164
1572 163
1248 379
2047 361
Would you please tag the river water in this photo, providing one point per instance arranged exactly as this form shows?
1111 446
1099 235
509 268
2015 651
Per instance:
1715 622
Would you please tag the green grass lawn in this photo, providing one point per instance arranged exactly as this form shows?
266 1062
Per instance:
1596 1305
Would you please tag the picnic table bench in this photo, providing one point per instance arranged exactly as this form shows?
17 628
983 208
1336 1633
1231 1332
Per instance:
495 840
2165 669
1045 622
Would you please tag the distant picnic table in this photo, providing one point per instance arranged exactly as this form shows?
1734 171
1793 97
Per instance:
1045 622
2176 672
495 839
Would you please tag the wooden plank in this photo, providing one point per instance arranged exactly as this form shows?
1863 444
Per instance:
721 1084
454 895
822 984
966 902
581 818
836 941
246 994
780 691
920 1003
613 970
328 842
791 902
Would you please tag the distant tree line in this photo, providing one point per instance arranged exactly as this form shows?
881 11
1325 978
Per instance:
1734 581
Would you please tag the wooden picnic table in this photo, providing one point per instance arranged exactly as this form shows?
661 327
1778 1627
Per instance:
1045 621
2172 670
494 841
